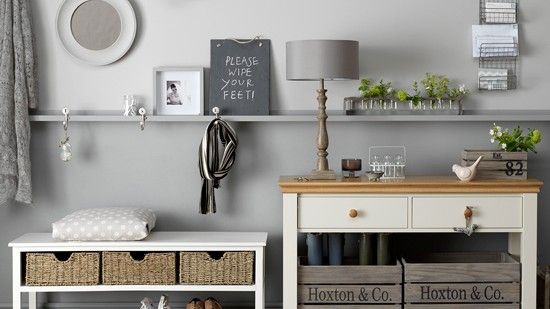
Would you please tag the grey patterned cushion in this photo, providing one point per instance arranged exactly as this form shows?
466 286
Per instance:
98 224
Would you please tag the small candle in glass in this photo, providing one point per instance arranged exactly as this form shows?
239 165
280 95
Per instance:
350 166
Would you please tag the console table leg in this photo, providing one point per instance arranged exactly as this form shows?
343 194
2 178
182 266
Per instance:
32 300
290 251
528 249
260 280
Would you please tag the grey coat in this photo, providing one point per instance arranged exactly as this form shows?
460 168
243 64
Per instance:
18 93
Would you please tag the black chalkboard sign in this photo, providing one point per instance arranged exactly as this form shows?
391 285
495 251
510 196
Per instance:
240 77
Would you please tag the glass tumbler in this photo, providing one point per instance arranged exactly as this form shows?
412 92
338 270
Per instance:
130 105
389 171
399 166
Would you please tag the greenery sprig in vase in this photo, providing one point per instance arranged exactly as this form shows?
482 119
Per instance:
415 98
380 93
437 88
436 91
514 140
457 94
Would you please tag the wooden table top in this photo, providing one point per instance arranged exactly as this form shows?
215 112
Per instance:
412 184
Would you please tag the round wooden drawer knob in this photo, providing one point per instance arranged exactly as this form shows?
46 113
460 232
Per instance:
353 213
468 213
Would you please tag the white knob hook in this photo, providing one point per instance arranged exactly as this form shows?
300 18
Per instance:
143 114
216 111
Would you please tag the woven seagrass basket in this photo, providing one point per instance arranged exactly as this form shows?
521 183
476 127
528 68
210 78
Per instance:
232 268
47 269
125 268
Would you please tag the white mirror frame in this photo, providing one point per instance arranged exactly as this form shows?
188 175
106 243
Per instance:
128 29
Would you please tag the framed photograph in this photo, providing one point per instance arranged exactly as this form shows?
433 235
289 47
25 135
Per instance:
179 91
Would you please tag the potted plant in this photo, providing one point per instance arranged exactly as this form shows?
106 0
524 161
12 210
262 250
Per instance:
364 92
441 90
456 95
509 161
514 140
429 83
380 94
436 87
414 99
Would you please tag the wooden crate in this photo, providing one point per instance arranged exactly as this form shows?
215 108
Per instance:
462 280
350 286
497 164
543 287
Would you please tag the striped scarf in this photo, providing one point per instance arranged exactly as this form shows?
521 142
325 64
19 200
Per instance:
219 135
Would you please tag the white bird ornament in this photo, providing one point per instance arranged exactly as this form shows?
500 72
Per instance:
467 173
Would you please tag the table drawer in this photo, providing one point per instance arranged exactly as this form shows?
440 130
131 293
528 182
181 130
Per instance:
448 212
336 212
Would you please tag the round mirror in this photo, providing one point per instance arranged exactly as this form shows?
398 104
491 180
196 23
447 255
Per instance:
96 25
97 32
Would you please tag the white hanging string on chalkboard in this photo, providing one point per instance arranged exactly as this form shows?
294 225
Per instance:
243 42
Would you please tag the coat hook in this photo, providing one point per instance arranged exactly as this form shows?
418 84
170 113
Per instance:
216 111
66 149
66 118
143 114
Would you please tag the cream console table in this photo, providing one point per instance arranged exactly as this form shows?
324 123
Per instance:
414 205
156 242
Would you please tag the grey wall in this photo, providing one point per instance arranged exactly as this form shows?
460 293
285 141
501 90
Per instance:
115 164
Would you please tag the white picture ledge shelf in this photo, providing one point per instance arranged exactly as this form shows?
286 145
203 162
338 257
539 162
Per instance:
304 116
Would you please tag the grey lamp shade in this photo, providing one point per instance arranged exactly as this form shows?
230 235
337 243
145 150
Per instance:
322 59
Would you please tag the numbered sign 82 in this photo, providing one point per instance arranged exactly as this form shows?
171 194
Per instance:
514 168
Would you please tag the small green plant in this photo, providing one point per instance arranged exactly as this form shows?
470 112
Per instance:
376 91
458 93
364 87
514 140
415 98
441 87
436 86
430 84
402 95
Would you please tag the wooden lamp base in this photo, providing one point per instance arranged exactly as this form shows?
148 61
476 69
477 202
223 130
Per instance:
322 170
322 175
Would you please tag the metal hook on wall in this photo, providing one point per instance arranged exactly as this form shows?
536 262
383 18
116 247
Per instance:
216 111
143 117
66 118
66 149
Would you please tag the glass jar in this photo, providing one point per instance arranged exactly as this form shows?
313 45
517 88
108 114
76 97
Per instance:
399 166
454 104
376 165
413 106
389 171
130 105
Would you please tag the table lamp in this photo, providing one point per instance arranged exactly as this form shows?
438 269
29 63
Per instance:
320 60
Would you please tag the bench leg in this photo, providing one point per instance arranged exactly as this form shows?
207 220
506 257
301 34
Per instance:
260 282
32 300
16 278
16 299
